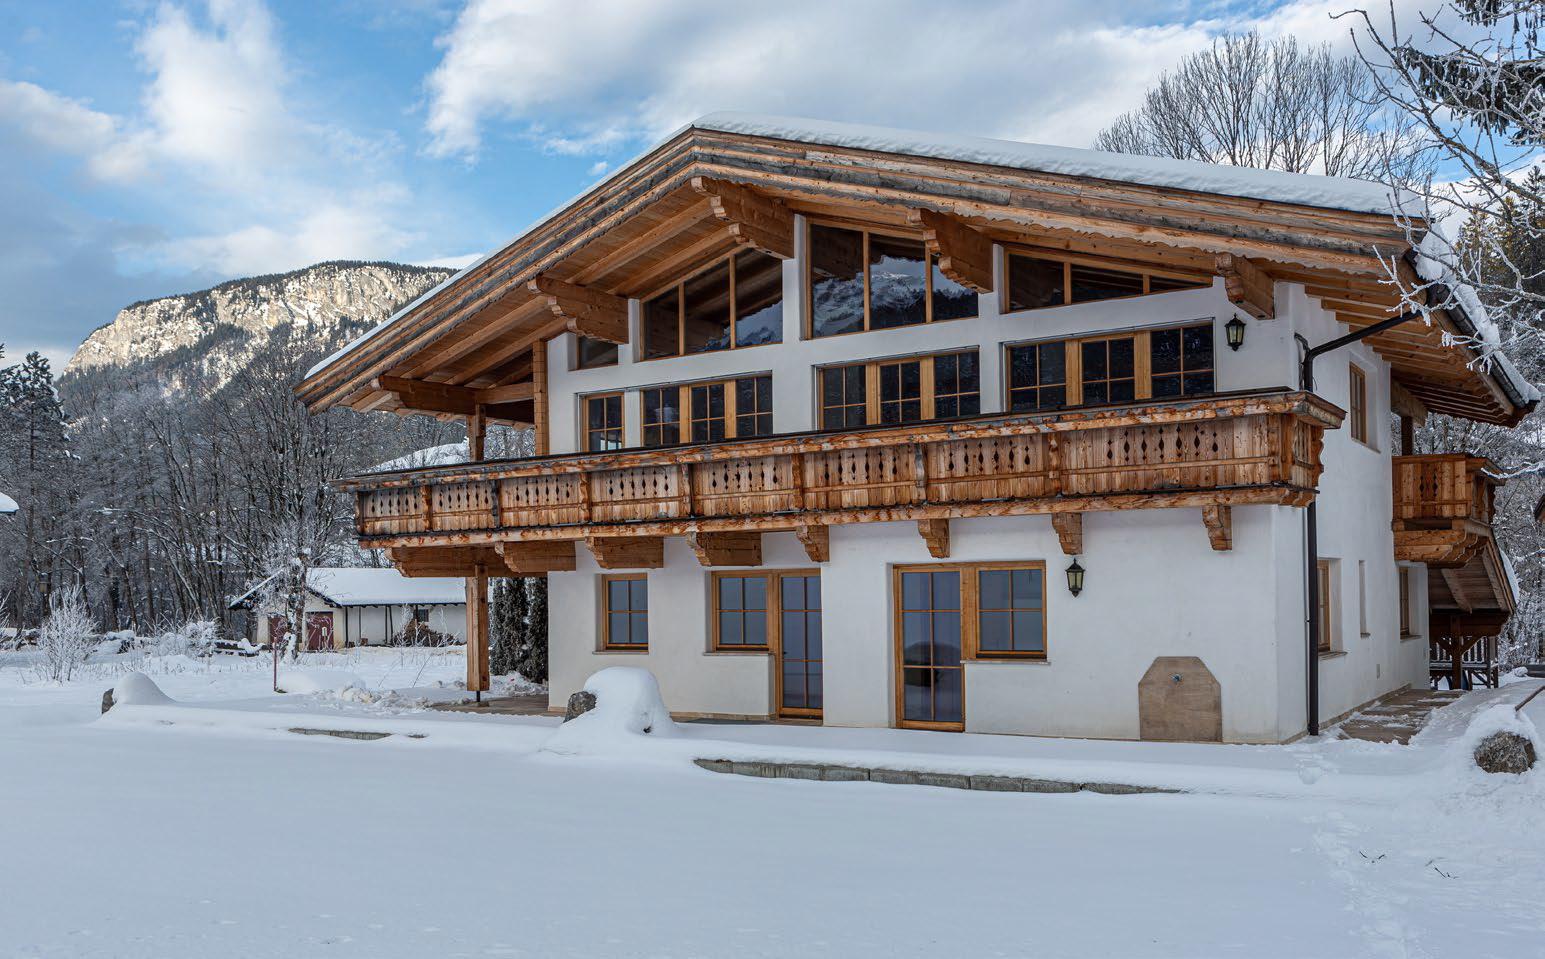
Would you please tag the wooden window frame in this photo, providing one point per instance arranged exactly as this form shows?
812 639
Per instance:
1403 594
774 610
970 628
622 420
684 405
1073 362
807 324
872 402
680 286
1357 403
1326 570
1136 269
606 613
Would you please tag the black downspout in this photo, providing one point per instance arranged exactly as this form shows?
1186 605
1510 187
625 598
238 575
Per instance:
1311 520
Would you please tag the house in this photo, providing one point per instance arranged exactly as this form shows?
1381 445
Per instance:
7 505
880 428
347 606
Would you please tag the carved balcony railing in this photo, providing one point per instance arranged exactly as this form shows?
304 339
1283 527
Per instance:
1259 447
1443 507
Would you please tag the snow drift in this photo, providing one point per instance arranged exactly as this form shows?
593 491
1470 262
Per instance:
137 689
306 681
628 705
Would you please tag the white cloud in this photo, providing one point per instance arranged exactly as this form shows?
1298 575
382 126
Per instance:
585 76
56 122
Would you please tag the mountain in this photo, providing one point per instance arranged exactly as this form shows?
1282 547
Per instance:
207 335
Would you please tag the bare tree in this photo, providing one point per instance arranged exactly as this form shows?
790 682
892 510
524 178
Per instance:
1272 104
67 635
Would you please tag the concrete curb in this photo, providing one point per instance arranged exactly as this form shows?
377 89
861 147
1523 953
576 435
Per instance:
904 777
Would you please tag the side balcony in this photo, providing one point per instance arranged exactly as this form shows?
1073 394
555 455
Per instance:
528 516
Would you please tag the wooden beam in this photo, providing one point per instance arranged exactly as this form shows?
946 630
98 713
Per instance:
425 397
964 255
727 549
539 437
440 561
936 535
1219 521
627 552
1070 532
1456 589
1248 286
1402 402
477 632
477 433
754 220
584 311
539 556
816 538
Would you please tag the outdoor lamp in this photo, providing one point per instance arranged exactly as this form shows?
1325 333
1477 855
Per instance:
1235 329
1075 577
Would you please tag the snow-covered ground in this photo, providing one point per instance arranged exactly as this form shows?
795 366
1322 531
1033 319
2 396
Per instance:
204 827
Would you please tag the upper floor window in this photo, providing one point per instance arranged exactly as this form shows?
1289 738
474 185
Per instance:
1035 282
603 422
1157 364
593 353
900 391
735 302
1357 415
861 280
707 412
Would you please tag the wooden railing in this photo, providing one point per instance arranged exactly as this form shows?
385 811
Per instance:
1241 448
1443 507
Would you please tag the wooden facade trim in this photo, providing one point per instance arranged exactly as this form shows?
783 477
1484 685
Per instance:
754 220
1248 286
1219 521
961 252
1070 532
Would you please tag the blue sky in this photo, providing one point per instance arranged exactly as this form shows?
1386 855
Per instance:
149 148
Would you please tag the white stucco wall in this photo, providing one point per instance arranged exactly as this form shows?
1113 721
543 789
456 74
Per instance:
1154 588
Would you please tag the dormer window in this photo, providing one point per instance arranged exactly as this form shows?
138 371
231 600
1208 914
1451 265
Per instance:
733 303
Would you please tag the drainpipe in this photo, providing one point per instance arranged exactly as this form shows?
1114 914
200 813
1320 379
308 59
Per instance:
1311 521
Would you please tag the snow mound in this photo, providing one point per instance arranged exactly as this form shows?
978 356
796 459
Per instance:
306 681
137 689
628 706
1497 719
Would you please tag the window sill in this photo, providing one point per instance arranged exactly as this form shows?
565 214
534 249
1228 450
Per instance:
1333 654
630 651
1010 660
753 651
1407 637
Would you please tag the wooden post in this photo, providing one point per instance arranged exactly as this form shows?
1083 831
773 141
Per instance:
477 432
477 632
539 396
1407 436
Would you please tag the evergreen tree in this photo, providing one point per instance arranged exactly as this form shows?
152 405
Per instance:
507 625
35 468
533 659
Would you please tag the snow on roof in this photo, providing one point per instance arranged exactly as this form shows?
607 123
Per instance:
451 454
1340 193
364 586
7 505
1432 262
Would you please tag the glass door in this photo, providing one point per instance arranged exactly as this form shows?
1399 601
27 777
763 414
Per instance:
932 680
799 645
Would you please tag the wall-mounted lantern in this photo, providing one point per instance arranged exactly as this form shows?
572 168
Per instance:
1235 330
1075 577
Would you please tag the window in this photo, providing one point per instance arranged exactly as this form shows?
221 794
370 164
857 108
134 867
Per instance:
625 621
860 280
707 424
1035 282
1037 378
421 615
1180 361
1109 370
1362 598
1403 577
956 389
603 422
753 406
593 353
740 612
900 391
734 302
662 416
1324 612
1011 612
714 410
1357 400
1148 364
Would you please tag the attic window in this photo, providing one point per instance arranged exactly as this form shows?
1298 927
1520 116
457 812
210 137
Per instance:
862 280
1036 282
594 353
735 302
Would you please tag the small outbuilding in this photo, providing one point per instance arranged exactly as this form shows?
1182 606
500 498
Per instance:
7 505
348 606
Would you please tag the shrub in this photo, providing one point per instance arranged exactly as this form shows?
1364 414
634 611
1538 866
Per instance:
67 637
415 633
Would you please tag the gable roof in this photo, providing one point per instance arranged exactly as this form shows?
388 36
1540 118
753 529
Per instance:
362 586
664 212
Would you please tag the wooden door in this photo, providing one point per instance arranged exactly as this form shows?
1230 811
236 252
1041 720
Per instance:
799 645
319 632
931 689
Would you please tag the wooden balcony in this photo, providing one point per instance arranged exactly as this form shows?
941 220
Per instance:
1258 447
1443 507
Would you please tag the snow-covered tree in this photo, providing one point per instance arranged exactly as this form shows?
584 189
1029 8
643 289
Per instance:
67 635
532 663
508 626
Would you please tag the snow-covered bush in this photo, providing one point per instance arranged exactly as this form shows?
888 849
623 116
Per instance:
628 706
415 633
196 638
67 637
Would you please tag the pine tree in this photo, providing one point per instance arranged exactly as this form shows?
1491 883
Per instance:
34 464
507 625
